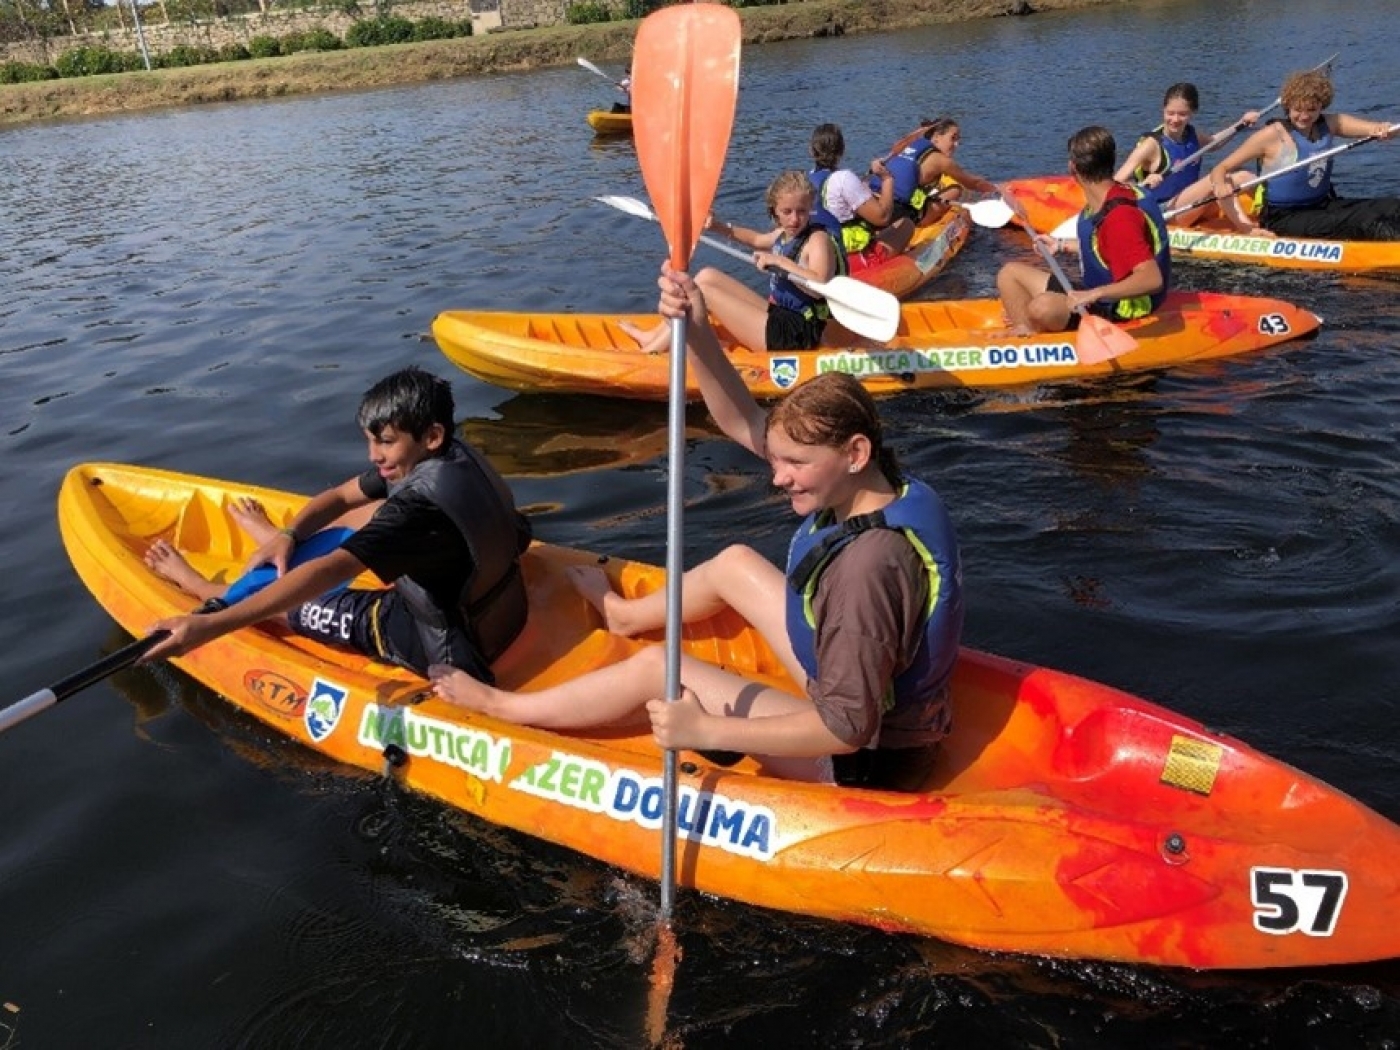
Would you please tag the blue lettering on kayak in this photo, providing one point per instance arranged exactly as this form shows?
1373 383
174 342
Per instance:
703 816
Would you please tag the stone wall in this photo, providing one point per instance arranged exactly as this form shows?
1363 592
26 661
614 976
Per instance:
526 14
216 33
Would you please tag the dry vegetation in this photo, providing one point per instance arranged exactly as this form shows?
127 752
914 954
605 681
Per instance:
439 60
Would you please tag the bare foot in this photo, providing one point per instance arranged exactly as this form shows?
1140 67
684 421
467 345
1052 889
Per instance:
593 583
458 687
169 564
252 518
648 342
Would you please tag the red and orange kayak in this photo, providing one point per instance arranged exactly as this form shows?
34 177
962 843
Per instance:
951 343
930 251
1063 818
1051 200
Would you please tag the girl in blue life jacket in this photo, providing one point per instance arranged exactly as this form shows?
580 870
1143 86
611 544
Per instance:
1151 161
866 618
1303 202
791 317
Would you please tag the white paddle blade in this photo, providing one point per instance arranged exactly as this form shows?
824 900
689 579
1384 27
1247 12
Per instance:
1067 230
992 213
630 205
864 309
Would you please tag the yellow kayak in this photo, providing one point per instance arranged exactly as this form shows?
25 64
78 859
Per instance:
606 122
954 343
1063 817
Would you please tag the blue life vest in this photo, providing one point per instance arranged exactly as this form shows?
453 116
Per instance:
904 170
920 516
853 235
1094 268
1169 152
1306 185
785 292
491 607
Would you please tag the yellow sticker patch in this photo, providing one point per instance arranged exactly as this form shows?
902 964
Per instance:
1192 764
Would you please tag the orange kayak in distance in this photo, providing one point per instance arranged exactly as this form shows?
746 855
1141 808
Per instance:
940 344
607 122
1062 818
1051 200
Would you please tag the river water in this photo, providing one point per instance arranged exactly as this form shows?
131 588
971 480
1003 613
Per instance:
211 289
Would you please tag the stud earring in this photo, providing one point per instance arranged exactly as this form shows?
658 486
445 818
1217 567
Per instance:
851 469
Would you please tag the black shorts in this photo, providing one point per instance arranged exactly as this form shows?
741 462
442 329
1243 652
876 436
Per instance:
886 768
1338 218
905 210
375 623
789 330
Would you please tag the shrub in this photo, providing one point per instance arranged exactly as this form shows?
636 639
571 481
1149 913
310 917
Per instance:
186 55
264 47
586 12
433 28
21 72
373 32
88 61
234 53
318 39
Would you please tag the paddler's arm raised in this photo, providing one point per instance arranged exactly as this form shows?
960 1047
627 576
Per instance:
734 409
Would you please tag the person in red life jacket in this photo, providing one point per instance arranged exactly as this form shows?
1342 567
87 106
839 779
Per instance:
1124 251
866 618
446 532
1303 202
1151 161
845 206
926 175
791 318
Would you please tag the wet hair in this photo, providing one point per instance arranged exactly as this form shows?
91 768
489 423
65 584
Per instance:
1313 87
1186 92
1093 153
410 400
829 410
828 146
788 182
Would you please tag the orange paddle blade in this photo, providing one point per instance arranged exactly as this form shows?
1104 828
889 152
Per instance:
685 81
1099 340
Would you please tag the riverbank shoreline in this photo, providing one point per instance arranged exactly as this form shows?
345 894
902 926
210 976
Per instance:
508 51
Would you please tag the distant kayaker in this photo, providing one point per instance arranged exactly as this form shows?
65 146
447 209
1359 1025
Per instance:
1303 202
867 616
1150 163
1123 248
447 534
851 211
791 318
925 173
625 86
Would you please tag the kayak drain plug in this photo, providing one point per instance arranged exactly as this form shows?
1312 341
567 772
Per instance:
1174 849
395 757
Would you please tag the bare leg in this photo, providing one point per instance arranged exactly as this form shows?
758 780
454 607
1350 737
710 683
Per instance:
251 517
169 564
654 341
736 306
1029 304
737 578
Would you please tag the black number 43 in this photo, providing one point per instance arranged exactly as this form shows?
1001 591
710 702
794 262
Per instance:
1286 901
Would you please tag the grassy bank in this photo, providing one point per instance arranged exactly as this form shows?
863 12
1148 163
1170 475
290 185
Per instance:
442 59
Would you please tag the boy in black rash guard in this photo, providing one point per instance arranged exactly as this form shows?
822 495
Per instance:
446 533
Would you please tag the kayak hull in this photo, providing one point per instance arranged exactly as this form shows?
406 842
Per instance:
952 343
1050 201
1063 818
606 122
930 251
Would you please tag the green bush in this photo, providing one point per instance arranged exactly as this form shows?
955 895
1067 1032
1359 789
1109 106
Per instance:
234 53
22 72
186 55
433 28
374 32
318 39
264 47
88 61
586 12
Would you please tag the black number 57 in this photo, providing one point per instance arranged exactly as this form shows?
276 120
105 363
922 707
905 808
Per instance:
1286 901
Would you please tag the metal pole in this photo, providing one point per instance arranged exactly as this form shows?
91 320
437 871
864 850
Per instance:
140 36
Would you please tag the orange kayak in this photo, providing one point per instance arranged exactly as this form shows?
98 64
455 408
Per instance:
953 343
1064 817
930 251
1051 200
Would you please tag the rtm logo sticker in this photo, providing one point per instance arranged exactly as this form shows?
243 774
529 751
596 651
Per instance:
1286 901
1273 324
